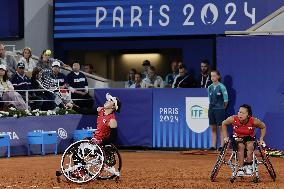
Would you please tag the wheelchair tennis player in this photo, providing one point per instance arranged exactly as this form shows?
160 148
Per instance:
244 125
105 134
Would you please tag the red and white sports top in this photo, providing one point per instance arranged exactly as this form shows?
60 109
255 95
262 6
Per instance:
103 129
242 130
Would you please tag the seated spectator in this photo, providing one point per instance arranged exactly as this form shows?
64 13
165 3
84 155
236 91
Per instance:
47 97
88 68
78 86
56 75
30 64
137 81
204 78
152 80
7 92
45 61
21 82
184 80
171 76
8 61
131 78
146 64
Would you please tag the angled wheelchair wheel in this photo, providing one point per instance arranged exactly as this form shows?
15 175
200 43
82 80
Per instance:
82 161
266 161
112 163
219 163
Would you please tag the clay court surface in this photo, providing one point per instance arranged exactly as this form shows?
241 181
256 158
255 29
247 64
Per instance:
149 169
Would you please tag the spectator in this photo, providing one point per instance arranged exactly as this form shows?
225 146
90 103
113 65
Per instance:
138 81
7 60
131 78
46 96
21 82
78 85
7 92
171 76
180 64
152 80
204 78
88 68
45 61
218 101
184 80
30 64
146 64
58 77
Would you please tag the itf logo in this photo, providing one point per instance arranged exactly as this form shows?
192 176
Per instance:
197 113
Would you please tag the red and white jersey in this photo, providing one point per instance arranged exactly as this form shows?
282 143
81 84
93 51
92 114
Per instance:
103 129
242 130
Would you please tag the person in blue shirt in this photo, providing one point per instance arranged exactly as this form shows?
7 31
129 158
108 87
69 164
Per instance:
218 101
21 82
57 76
78 85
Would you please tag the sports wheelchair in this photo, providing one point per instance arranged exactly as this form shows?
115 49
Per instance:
83 161
225 158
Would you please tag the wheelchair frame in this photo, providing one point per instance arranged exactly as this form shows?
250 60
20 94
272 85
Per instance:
83 161
232 162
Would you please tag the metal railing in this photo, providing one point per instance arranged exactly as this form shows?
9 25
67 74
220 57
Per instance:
27 100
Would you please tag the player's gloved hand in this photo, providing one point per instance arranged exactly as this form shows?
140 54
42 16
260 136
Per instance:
226 139
95 141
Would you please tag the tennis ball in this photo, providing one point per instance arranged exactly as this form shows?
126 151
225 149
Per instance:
48 52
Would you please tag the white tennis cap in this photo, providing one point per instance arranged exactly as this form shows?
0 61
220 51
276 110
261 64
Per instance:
55 63
3 67
116 101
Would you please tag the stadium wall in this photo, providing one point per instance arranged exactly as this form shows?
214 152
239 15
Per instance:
252 70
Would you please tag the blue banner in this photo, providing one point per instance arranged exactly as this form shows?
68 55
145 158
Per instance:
180 118
122 18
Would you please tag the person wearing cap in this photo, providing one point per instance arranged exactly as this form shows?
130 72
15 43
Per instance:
146 64
8 60
78 85
106 131
21 82
30 64
56 75
7 93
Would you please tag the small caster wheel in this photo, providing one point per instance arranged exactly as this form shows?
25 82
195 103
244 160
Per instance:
232 180
255 179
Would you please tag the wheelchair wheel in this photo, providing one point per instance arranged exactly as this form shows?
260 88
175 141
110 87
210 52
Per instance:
219 163
82 161
112 163
266 161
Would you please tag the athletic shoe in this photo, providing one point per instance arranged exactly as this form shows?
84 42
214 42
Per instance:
220 148
241 172
248 169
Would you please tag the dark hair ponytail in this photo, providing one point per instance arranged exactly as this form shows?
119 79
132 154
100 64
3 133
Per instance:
248 107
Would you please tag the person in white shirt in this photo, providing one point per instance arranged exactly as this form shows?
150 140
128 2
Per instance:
30 64
152 80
